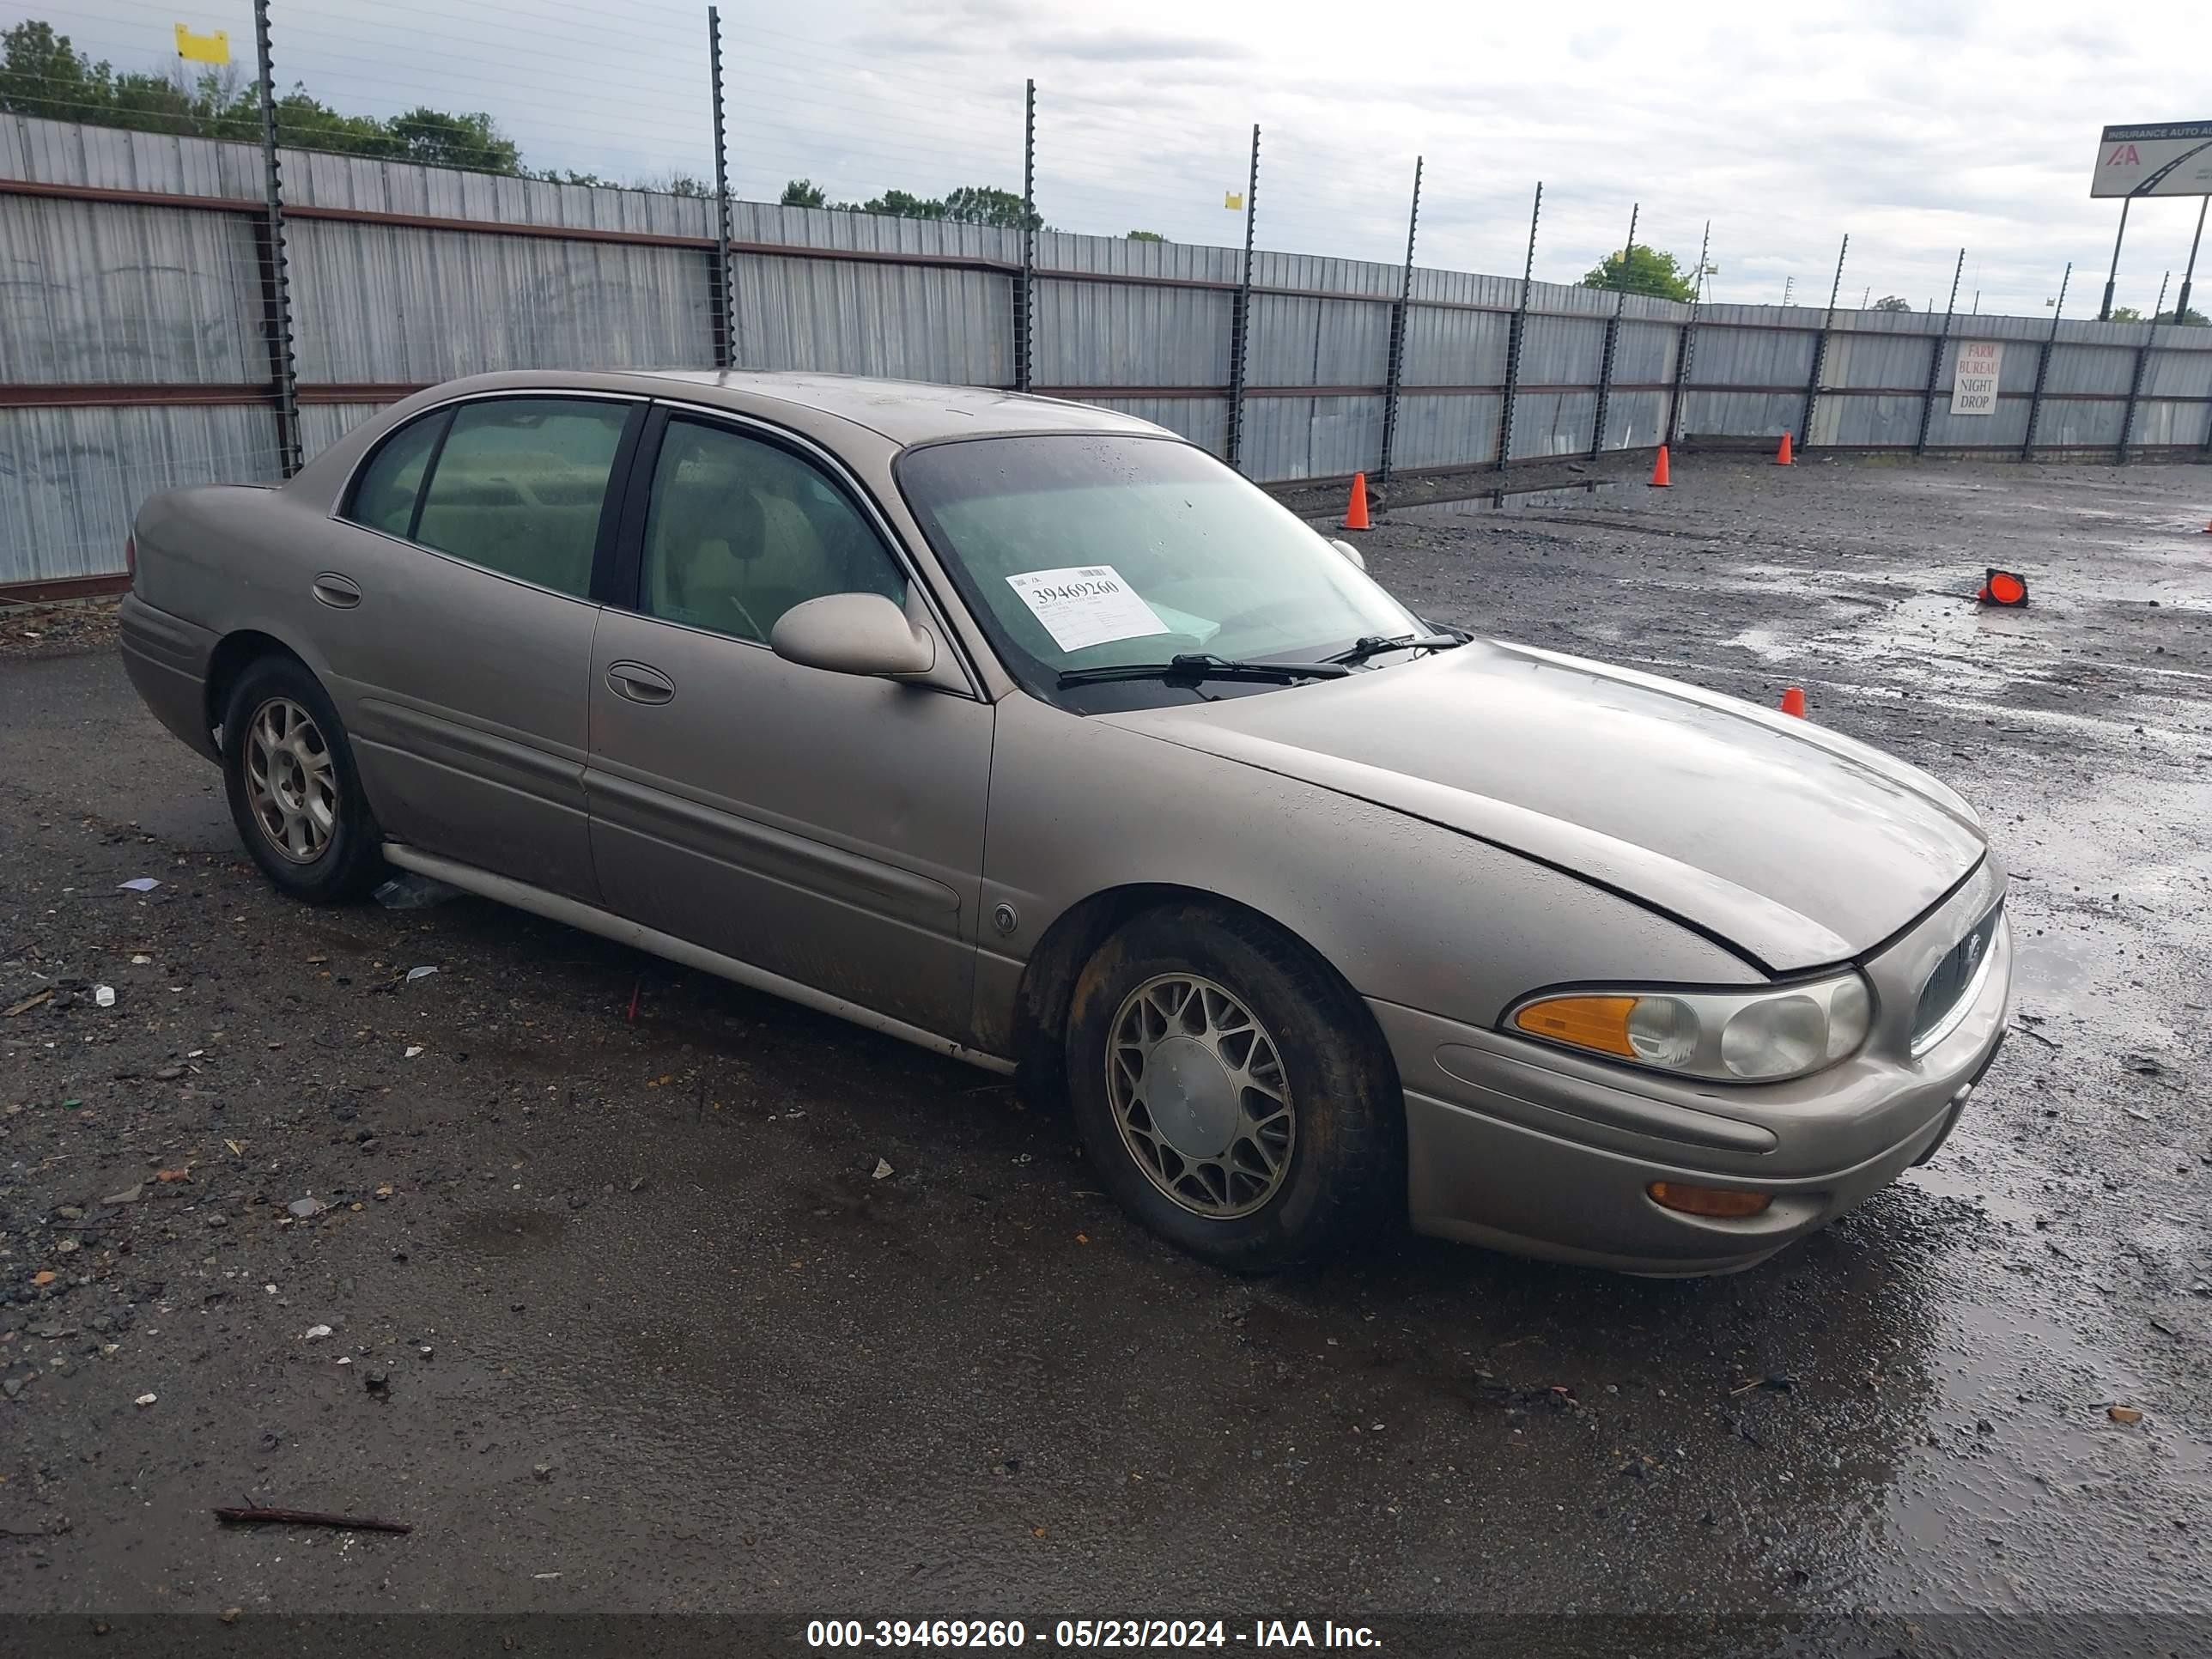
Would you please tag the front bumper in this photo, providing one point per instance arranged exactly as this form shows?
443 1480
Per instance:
1525 1147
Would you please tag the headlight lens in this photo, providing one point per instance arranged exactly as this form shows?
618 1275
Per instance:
1749 1036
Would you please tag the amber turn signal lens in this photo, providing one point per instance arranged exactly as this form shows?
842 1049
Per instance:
1599 1023
1728 1203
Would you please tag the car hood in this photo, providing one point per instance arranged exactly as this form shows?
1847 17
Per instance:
1797 847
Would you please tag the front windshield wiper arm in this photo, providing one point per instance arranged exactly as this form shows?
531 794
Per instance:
1373 645
1203 665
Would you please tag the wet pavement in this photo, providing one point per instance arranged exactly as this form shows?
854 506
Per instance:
622 1318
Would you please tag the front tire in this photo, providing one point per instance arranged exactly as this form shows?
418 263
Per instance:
294 795
1232 1091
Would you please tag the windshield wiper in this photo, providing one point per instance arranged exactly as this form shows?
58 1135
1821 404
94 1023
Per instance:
1373 645
1203 665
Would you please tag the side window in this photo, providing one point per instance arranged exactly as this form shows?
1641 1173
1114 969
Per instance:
736 531
519 486
385 491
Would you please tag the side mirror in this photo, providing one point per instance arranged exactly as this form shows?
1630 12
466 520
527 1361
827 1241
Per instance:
853 634
1358 559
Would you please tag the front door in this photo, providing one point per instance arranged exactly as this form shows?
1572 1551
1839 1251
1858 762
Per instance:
827 828
457 621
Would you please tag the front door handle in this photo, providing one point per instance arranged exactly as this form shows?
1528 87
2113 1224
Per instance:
335 590
639 683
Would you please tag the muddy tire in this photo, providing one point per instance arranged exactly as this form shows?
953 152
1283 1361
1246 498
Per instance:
1232 1092
294 795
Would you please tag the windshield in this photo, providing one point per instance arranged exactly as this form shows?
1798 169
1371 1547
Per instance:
1079 551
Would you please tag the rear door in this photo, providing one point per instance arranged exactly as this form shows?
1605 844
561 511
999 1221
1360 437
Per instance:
825 827
457 617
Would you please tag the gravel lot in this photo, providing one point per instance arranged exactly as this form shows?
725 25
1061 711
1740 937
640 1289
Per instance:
620 1318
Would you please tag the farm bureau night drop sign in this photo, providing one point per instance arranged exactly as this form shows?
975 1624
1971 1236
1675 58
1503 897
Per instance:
1974 377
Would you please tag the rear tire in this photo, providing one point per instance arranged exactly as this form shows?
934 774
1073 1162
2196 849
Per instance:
294 795
1232 1092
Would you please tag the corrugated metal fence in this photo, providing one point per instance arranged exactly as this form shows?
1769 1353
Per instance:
135 327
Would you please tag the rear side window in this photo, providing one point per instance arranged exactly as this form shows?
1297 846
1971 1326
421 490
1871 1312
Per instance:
519 485
383 495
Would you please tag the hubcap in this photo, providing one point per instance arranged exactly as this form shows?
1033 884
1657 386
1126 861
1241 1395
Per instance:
291 781
1197 1092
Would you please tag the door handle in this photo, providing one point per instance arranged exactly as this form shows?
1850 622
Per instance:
639 683
337 591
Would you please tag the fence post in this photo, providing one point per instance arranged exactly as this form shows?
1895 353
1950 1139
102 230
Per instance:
1820 350
725 322
2135 392
1613 339
1240 323
1398 316
275 278
1686 343
2043 364
1513 338
1935 359
1025 294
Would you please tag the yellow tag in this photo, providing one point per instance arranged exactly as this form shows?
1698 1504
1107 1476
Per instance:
1233 200
214 48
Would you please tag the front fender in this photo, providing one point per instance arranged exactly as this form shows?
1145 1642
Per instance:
1407 911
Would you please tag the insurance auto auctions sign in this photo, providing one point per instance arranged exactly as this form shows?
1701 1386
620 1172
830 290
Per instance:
1974 377
2174 158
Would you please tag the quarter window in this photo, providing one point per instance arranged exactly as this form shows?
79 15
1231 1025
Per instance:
519 485
738 531
384 495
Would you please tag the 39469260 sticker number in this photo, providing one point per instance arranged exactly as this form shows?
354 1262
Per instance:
1082 605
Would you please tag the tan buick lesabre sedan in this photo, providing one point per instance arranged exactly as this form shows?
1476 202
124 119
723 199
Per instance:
1031 733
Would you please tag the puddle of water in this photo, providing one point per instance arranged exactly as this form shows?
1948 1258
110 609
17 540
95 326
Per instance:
1505 501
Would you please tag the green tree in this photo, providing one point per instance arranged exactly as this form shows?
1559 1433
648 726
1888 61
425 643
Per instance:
42 74
1145 236
901 205
1642 270
2191 318
804 192
1892 302
985 205
2125 314
439 140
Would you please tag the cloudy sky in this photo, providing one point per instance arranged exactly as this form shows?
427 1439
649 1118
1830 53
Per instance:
1917 128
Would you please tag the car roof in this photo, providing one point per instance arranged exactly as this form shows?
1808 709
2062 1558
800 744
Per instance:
904 411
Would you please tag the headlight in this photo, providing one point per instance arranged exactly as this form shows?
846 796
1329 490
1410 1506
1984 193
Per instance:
1741 1037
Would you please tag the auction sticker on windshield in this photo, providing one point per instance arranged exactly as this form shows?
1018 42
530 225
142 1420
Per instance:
1085 605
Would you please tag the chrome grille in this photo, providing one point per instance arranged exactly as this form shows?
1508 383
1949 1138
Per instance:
1952 975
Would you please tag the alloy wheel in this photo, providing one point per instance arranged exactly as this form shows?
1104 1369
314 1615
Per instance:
291 780
1199 1094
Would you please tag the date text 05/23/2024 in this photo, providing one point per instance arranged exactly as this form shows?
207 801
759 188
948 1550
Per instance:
1086 1634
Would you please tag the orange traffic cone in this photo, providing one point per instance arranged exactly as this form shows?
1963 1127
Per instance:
1793 702
1782 455
1355 514
1659 479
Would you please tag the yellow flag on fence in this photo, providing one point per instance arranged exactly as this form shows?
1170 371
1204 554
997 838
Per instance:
213 48
1233 200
